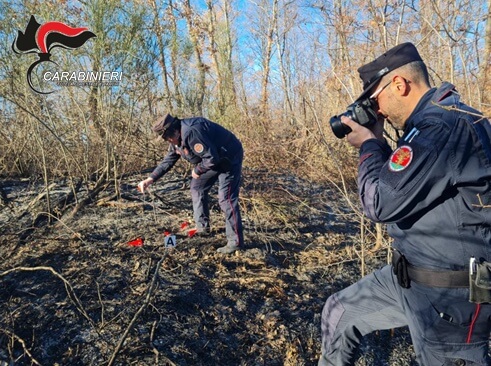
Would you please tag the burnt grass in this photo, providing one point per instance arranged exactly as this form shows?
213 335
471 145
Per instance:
74 292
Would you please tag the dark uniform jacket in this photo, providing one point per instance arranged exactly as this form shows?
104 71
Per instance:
205 144
434 190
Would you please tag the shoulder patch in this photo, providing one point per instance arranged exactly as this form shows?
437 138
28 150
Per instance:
198 148
401 158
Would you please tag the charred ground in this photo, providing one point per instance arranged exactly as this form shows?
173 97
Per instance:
73 292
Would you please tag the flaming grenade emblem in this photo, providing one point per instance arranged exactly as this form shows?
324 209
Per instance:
41 39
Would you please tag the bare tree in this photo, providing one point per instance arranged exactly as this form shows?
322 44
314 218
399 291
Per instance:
485 64
157 26
288 19
272 15
220 38
174 47
228 53
263 19
195 28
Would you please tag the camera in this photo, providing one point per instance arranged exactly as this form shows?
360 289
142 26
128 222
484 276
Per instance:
361 111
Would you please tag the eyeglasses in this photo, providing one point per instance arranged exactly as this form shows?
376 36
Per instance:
377 92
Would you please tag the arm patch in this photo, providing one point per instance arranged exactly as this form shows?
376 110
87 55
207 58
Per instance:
198 148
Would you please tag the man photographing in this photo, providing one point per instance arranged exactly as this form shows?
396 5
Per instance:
217 155
434 193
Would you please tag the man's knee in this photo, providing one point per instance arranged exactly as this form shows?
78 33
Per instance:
340 336
331 315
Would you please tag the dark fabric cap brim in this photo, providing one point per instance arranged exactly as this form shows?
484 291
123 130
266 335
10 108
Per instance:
394 58
368 88
162 123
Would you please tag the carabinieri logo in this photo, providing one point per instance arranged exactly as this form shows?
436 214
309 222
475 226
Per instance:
41 39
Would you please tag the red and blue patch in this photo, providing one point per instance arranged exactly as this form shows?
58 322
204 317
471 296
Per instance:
401 158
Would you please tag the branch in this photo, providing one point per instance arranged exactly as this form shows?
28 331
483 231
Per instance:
21 341
137 314
69 289
454 108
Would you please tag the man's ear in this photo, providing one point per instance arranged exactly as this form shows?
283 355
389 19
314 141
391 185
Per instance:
401 85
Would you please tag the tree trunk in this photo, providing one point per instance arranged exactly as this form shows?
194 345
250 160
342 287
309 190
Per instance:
281 49
229 72
194 34
486 67
160 42
175 56
266 60
215 57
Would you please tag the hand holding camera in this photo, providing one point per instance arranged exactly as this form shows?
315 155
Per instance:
359 134
362 112
360 122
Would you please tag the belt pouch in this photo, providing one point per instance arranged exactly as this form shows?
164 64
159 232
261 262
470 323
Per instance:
400 268
480 283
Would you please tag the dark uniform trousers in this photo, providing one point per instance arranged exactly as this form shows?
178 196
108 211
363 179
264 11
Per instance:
378 302
228 197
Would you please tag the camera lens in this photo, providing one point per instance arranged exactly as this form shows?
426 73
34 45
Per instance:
339 128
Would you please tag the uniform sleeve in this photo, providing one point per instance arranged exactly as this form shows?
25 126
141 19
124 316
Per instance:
203 146
166 164
394 186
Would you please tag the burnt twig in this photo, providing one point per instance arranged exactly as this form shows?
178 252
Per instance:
151 287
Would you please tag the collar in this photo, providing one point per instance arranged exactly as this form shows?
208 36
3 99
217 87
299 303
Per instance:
425 99
445 91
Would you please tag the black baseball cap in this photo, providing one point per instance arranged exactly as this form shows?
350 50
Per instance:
394 58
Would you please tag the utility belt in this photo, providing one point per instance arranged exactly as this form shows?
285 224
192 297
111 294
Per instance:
406 273
477 279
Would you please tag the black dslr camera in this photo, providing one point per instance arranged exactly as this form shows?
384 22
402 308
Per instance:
361 111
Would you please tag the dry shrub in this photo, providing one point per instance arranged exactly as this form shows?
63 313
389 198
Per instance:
304 149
